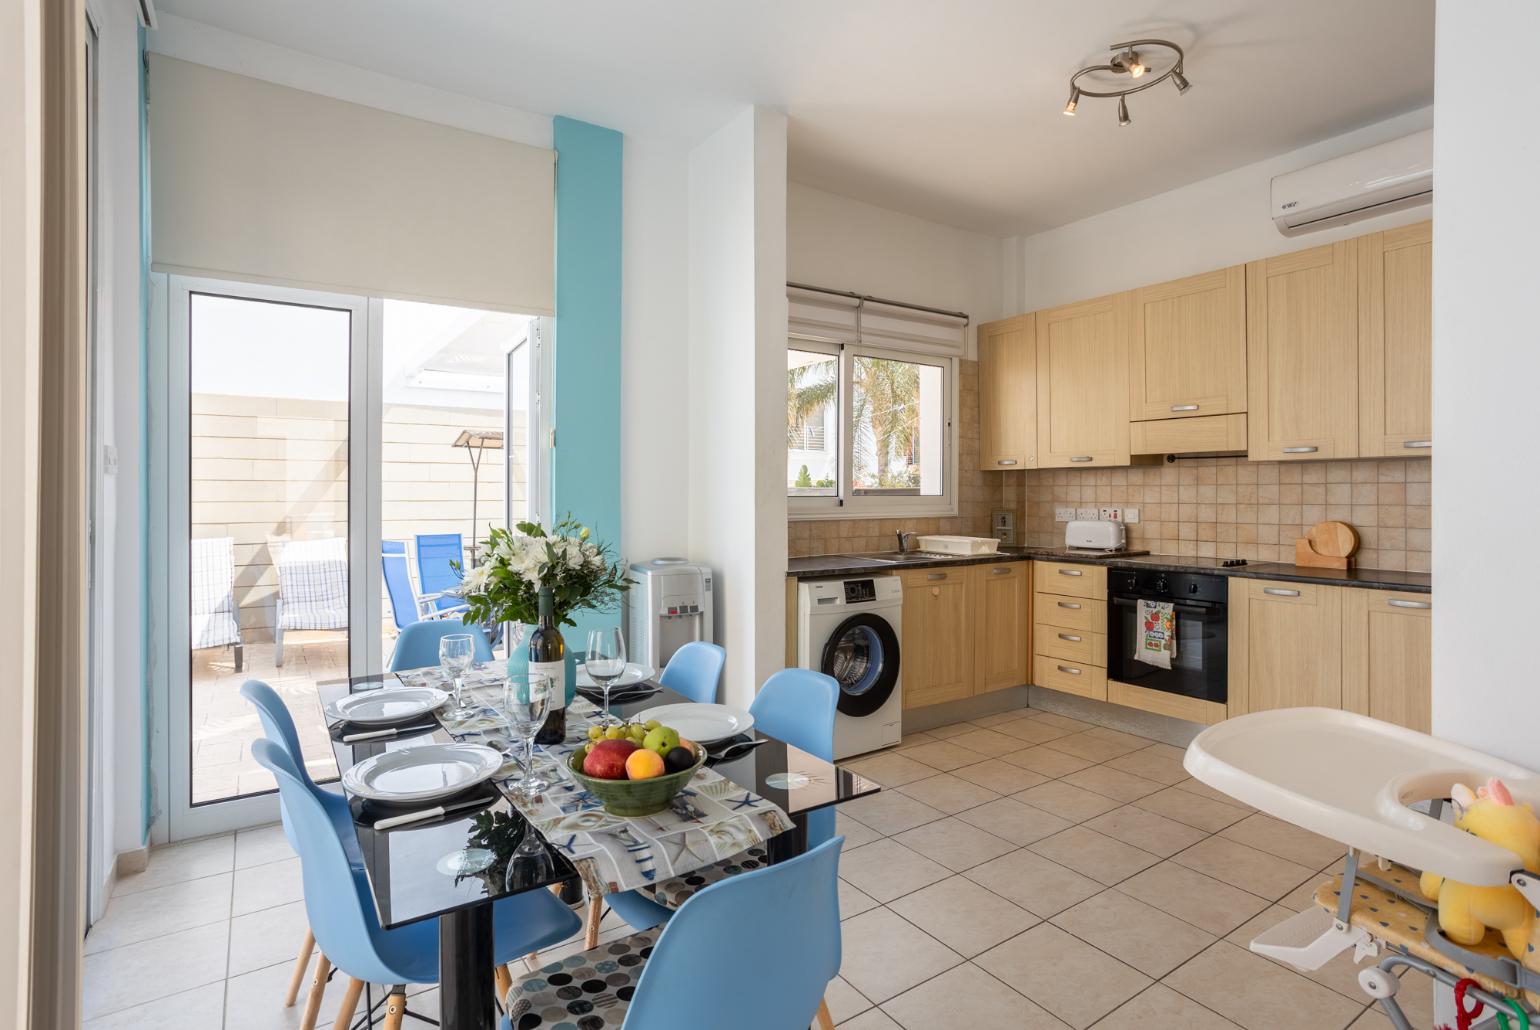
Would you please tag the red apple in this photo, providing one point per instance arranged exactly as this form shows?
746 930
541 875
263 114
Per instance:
607 760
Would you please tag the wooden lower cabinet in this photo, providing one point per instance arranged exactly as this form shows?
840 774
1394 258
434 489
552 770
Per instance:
1387 656
1079 678
1285 645
937 644
1002 625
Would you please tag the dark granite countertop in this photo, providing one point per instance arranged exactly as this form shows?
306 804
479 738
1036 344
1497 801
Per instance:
1373 579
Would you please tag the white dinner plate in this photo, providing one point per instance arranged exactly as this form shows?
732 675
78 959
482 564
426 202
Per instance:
703 724
422 773
634 674
396 704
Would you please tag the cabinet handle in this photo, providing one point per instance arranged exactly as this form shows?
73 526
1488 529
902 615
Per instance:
936 575
1081 457
1069 669
1184 407
1000 572
1280 592
1005 461
1300 450
1417 445
1396 602
1071 572
1068 604
1072 638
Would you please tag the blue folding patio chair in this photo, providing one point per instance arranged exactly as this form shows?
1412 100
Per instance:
437 555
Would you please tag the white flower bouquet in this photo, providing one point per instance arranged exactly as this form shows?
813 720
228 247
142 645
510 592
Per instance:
505 587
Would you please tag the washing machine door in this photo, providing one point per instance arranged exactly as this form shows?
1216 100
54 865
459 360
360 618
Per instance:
862 656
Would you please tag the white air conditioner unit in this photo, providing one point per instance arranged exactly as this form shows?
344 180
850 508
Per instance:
1390 177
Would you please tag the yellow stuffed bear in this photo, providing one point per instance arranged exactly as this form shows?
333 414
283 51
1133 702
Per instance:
1465 912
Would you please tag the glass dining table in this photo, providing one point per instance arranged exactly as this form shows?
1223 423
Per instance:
406 865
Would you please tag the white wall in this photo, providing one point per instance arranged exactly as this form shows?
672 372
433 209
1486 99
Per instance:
1219 221
1486 362
844 244
737 342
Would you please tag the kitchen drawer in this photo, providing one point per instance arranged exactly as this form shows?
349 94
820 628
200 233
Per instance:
1074 613
1070 578
1189 435
1070 677
924 577
1072 645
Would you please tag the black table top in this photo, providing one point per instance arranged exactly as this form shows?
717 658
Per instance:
402 864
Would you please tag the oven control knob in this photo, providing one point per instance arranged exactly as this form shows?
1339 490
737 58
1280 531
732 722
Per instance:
1161 587
1192 588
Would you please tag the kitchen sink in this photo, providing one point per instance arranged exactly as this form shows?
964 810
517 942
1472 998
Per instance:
902 558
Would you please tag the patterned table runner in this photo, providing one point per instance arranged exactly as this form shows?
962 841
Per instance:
711 819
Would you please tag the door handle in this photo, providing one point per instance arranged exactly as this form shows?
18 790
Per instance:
1068 604
1000 572
1071 572
1069 669
1396 602
936 575
1081 457
1300 450
1417 445
1072 638
1005 461
1280 592
1184 407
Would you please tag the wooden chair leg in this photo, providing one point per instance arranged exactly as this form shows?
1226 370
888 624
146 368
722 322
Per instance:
301 964
503 981
323 968
591 929
349 1005
395 1008
825 1021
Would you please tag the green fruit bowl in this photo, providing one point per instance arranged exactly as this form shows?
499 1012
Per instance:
635 797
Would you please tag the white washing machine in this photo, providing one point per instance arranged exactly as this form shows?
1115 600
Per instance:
849 629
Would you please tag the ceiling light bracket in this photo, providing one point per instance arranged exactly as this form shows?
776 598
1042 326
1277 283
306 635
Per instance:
1127 60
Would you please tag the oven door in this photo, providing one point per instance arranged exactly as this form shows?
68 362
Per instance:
1200 668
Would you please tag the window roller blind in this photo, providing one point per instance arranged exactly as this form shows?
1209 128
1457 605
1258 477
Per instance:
838 318
263 183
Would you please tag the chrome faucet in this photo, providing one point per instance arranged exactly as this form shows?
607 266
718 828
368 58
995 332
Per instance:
904 540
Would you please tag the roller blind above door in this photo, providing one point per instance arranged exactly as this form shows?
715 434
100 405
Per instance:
263 183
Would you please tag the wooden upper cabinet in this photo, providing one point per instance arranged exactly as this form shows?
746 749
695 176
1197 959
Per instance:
1302 354
1008 394
1387 656
1187 357
1395 342
1285 645
1082 383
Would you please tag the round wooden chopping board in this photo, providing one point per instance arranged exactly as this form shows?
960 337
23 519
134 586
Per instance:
1333 539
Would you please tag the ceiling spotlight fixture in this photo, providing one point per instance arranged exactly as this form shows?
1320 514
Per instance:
1128 61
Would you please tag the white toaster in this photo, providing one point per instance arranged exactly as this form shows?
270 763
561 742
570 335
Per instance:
1097 536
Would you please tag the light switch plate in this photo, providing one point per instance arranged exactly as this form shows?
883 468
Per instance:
1086 514
1130 515
1064 514
1111 514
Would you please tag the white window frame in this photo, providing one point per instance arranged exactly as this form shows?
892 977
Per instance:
846 503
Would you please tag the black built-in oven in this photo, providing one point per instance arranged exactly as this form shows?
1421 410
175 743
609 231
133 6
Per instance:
1199 668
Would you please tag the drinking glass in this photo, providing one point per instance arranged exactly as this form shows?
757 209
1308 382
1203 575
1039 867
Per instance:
525 699
455 653
605 661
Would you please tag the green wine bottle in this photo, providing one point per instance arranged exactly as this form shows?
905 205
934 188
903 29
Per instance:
547 657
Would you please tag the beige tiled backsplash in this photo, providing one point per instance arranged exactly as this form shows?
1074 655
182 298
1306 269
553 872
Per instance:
1231 507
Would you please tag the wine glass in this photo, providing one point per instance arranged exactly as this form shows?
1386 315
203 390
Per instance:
525 699
455 653
605 661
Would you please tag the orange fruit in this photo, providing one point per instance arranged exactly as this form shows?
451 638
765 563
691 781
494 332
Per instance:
643 764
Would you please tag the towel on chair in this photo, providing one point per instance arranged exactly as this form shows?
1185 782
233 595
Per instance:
1157 633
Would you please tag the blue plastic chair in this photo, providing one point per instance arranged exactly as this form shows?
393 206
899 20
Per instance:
437 555
797 706
783 924
695 670
417 646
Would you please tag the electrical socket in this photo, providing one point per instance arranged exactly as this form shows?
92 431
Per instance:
1130 515
1111 514
1064 514
1085 514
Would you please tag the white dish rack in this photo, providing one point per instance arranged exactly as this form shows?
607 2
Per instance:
961 545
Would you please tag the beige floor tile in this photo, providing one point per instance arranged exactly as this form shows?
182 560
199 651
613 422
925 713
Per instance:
890 812
1258 994
1192 809
891 769
1200 900
1154 833
987 742
1176 754
1152 765
1094 854
1142 936
853 900
1083 745
845 1002
916 737
267 936
964 916
885 870
947 793
871 1019
1340 974
1047 762
1251 870
1067 801
147 970
951 730
179 863
1132 740
1033 731
954 843
261 845
1066 976
254 1001
161 910
1000 776
1001 718
1303 896
1158 1008
1374 1019
966 996
1017 822
1115 784
1039 885
1064 722
200 1007
943 754
265 886
1277 837
884 956
1202 789
855 832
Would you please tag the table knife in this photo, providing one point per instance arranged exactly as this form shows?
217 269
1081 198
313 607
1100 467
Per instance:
354 738
393 821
